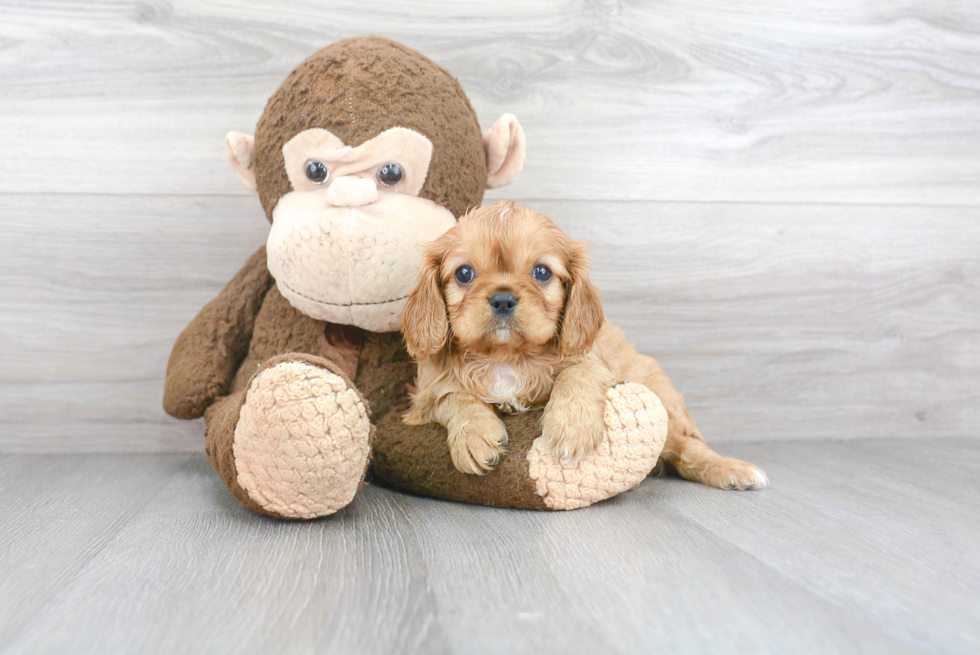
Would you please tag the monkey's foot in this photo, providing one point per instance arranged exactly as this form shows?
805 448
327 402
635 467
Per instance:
302 441
636 429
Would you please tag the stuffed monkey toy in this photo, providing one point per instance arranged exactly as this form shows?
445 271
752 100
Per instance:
366 151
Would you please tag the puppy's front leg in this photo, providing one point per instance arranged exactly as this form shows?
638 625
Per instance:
573 419
476 435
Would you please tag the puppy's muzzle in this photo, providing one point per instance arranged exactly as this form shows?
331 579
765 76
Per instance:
503 303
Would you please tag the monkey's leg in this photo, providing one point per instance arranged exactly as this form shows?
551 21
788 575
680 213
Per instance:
295 442
415 458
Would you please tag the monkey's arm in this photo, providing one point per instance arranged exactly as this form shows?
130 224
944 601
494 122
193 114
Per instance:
414 458
210 349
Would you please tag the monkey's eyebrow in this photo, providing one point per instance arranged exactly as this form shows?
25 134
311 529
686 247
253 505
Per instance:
400 145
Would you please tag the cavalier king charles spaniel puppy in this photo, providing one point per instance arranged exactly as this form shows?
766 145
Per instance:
504 316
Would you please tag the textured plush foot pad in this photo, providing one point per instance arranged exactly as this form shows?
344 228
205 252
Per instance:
636 428
302 441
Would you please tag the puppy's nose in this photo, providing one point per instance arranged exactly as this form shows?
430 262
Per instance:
503 303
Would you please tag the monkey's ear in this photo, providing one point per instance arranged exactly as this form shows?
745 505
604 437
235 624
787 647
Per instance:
424 322
239 148
504 145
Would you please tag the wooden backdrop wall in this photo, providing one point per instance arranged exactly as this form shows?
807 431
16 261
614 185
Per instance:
783 199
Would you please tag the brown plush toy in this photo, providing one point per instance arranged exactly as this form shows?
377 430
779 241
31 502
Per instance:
365 152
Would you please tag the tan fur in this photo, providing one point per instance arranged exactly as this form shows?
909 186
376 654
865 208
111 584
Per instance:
472 359
556 350
357 90
685 448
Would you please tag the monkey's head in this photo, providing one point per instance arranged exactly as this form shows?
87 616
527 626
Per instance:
365 152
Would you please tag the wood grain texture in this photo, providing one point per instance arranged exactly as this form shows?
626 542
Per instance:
783 202
858 547
671 100
618 578
197 572
798 321
92 302
880 529
59 514
776 321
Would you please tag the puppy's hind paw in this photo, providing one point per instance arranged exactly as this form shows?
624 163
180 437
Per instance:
735 474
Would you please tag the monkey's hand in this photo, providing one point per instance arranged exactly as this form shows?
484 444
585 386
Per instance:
209 350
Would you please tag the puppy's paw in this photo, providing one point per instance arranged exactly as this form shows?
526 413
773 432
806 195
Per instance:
573 427
476 446
729 473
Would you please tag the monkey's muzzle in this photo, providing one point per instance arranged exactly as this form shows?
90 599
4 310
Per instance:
352 265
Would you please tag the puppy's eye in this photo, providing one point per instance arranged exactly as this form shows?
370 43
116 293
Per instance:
390 174
464 274
541 273
317 172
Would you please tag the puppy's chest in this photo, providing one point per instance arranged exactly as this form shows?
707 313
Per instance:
511 388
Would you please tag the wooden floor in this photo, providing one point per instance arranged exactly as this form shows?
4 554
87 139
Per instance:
859 546
783 203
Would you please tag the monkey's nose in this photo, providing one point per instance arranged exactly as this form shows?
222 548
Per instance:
351 191
503 304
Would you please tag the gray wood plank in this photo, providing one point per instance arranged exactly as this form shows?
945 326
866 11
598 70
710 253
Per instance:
59 513
858 547
850 102
856 524
798 321
90 311
196 572
842 554
776 321
625 576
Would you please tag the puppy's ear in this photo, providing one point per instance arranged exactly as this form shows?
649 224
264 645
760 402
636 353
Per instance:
424 321
583 316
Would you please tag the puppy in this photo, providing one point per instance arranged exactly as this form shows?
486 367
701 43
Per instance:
504 316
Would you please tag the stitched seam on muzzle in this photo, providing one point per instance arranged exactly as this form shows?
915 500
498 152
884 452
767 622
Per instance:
340 304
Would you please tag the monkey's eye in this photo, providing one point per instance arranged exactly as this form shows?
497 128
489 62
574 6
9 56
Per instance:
390 174
464 274
541 273
317 172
